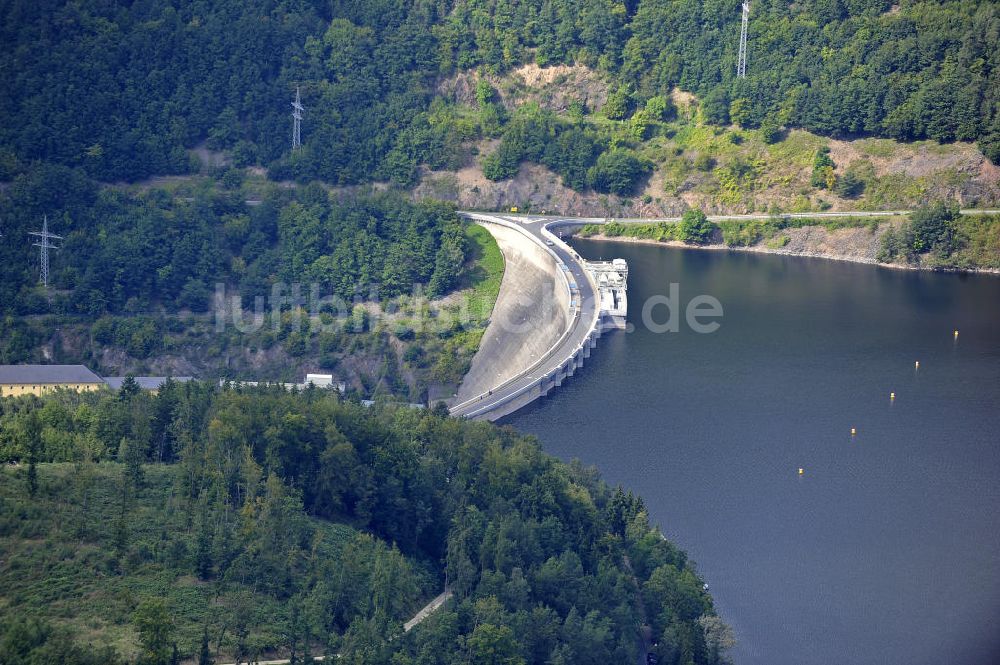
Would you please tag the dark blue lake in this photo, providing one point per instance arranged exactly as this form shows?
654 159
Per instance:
886 549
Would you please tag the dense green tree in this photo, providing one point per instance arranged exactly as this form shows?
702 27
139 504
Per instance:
26 435
135 252
130 388
822 173
715 107
660 108
933 227
849 185
205 655
164 410
770 131
131 455
155 626
890 246
617 171
493 645
695 227
622 509
571 154
618 105
34 642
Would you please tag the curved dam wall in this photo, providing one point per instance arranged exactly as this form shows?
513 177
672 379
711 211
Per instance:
530 316
542 386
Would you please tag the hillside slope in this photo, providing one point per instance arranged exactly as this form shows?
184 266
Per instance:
689 161
72 559
162 77
269 523
389 295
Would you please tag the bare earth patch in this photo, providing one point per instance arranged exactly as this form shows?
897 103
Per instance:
535 76
953 170
534 188
855 244
684 101
553 88
918 159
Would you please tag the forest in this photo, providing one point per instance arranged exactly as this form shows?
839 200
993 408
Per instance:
121 90
164 78
143 252
207 523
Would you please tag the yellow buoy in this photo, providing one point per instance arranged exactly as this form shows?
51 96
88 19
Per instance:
853 431
801 470
956 333
892 395
916 365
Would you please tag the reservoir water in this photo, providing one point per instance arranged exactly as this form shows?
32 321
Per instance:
886 549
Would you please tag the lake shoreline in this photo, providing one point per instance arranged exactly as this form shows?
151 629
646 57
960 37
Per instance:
760 249
711 430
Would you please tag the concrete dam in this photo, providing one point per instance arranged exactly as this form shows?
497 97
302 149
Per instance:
551 309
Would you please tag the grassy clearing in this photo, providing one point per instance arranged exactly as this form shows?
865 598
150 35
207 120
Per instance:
797 150
484 277
484 286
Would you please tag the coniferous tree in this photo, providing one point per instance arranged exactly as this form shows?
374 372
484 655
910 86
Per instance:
130 388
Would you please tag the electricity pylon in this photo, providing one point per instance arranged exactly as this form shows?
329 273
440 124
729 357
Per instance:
741 63
297 120
44 246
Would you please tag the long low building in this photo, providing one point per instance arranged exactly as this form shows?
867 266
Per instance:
39 379
316 380
18 380
150 383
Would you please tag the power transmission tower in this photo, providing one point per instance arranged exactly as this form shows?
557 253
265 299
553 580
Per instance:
741 64
43 243
297 120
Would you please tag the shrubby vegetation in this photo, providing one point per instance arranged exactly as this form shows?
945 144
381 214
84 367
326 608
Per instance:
933 228
250 522
935 235
582 154
617 172
696 229
939 236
